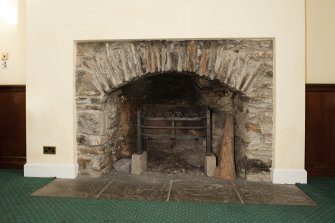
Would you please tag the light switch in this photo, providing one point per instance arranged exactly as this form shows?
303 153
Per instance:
4 56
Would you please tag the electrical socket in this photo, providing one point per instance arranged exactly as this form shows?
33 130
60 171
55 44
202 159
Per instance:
4 56
49 150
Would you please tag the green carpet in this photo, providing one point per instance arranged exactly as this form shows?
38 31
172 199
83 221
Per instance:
16 205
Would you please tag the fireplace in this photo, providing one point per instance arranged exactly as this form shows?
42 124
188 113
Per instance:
232 77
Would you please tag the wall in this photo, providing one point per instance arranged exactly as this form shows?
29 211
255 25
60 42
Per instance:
320 41
12 41
54 26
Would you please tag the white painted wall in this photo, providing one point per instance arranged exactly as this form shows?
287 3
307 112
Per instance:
12 13
54 26
320 41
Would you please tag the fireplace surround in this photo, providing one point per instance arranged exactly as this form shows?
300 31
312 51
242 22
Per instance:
231 76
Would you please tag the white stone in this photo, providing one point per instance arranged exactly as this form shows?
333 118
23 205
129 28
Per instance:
122 165
210 165
138 163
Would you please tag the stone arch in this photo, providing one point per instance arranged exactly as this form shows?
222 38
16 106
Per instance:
109 65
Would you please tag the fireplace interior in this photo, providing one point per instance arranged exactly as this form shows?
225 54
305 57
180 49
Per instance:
172 136
174 92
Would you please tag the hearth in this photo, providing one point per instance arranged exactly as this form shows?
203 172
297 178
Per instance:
231 77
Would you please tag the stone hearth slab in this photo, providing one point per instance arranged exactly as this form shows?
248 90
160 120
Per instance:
136 188
268 193
202 189
175 188
82 187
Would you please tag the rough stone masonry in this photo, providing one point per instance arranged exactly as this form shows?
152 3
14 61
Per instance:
244 67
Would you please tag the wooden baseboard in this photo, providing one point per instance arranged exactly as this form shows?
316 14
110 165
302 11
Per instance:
12 88
324 172
320 87
12 162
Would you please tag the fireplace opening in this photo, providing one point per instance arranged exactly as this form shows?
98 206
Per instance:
183 93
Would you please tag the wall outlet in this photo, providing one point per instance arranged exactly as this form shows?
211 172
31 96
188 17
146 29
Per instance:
49 149
4 56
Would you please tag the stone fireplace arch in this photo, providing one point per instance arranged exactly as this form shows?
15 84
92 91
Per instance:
242 65
109 65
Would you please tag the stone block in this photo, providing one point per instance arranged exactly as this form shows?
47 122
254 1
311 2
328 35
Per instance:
259 177
91 122
210 165
253 127
92 140
138 163
85 84
91 150
122 165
